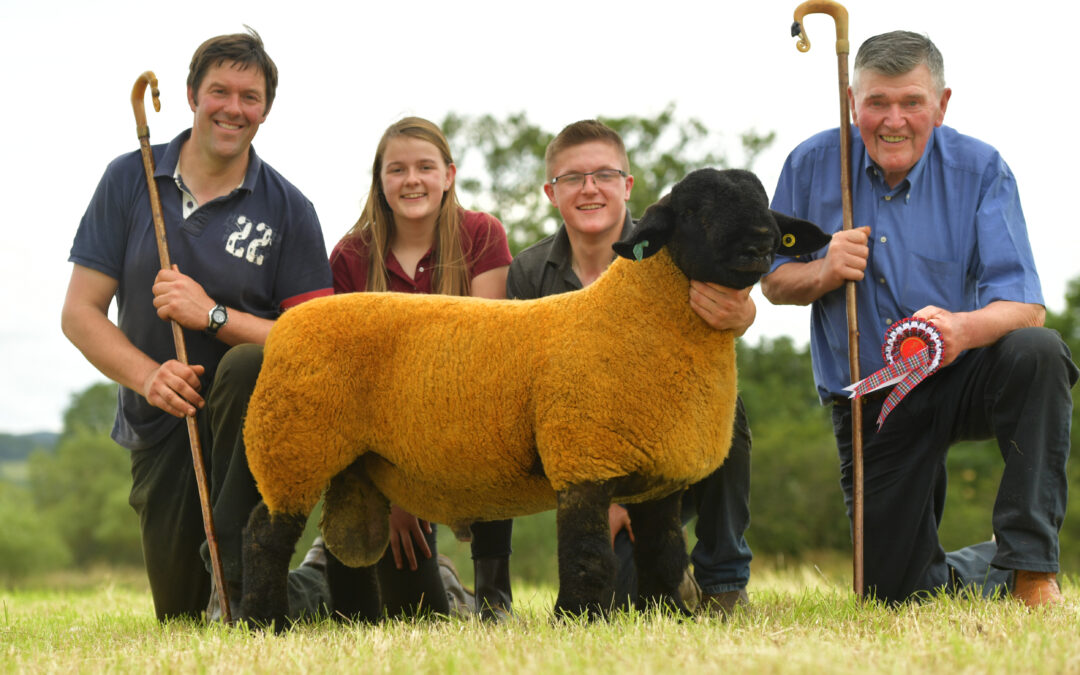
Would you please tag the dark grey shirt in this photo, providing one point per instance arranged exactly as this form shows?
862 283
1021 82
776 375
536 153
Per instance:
545 267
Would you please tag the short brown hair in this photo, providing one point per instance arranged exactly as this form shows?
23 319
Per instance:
584 131
243 49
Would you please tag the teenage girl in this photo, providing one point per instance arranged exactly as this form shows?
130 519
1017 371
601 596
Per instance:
414 237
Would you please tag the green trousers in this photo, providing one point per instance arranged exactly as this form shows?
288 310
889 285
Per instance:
164 494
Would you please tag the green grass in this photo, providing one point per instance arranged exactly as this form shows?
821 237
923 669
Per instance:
800 620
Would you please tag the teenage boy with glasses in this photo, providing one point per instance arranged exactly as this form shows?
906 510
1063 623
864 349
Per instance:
589 182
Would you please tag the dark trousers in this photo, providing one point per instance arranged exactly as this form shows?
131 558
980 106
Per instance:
492 539
1017 391
165 496
721 556
410 593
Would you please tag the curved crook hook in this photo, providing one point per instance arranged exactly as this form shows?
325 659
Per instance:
833 9
138 92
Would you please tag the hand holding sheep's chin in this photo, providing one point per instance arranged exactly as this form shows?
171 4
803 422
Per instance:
405 528
723 308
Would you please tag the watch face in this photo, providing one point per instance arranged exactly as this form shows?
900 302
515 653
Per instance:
219 316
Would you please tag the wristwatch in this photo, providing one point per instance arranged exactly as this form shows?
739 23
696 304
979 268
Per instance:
218 318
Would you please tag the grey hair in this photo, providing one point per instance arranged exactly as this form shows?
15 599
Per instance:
900 52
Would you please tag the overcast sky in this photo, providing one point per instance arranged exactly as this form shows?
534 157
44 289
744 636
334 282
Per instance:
348 71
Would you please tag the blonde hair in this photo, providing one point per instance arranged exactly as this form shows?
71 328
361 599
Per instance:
375 228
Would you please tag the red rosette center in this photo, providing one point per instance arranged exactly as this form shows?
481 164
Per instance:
908 337
911 346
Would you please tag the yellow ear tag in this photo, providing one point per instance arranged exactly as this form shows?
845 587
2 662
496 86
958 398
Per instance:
788 240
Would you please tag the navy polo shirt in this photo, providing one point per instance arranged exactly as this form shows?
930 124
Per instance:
258 249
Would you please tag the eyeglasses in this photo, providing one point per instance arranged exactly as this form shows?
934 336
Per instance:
600 177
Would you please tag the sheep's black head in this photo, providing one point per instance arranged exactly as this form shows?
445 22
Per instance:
718 227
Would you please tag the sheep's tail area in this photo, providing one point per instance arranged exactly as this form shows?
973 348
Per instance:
293 446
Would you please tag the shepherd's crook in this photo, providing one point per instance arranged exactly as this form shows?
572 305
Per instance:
840 16
137 94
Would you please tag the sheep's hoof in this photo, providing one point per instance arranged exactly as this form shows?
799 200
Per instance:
277 625
667 604
576 612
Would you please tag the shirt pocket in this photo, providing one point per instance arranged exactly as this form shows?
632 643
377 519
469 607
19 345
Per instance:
928 281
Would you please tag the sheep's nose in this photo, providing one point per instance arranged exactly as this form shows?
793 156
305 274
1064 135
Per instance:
762 246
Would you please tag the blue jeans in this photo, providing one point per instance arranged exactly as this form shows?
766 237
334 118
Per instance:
721 502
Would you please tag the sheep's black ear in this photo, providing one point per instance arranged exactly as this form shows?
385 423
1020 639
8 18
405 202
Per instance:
651 232
798 237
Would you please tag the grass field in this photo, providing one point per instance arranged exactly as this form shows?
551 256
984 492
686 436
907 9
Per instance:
799 621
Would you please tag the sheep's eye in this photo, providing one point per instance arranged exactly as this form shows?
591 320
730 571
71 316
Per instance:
788 240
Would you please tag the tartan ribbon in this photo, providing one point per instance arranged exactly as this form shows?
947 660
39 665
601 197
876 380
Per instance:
912 350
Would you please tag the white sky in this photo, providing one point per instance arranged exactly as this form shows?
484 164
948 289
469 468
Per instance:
347 71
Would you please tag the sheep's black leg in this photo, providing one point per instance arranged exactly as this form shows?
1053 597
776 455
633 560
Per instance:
659 552
586 561
269 542
354 591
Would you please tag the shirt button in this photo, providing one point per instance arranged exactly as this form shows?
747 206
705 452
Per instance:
888 198
883 240
882 280
420 269
888 322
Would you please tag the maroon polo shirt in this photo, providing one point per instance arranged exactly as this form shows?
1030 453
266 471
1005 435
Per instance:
483 241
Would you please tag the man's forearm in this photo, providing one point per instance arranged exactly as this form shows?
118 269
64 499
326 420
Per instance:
106 347
794 283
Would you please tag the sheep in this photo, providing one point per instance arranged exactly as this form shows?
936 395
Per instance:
462 409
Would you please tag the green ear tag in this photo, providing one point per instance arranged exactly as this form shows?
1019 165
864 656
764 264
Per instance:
788 240
639 249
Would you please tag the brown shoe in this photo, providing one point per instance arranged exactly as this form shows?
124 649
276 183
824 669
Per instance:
1036 589
723 604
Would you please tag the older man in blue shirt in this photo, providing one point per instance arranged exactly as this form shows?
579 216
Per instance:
940 236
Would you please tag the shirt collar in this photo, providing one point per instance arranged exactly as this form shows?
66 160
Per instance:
912 177
560 252
169 163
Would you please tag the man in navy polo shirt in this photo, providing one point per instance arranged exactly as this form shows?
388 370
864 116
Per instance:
941 237
245 245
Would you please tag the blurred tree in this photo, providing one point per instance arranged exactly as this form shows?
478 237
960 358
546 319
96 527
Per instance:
81 491
796 506
91 410
661 150
80 488
29 545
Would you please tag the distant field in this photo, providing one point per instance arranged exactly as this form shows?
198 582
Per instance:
14 472
800 620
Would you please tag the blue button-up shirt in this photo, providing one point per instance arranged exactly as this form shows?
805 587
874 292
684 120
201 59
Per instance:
951 234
